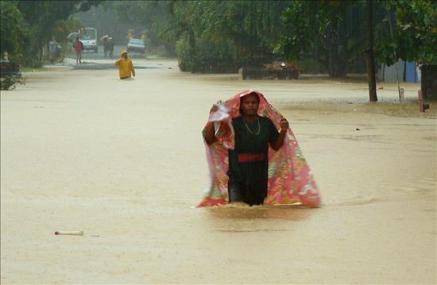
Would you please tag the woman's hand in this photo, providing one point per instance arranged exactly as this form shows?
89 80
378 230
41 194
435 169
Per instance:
276 145
284 125
213 108
223 130
208 133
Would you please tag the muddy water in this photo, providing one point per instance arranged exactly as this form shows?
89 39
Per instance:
123 161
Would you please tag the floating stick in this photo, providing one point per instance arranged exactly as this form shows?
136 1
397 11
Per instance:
69 233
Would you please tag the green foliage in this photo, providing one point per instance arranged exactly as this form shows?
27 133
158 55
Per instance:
331 32
208 57
225 35
12 32
334 32
27 26
221 36
210 36
62 28
154 18
408 31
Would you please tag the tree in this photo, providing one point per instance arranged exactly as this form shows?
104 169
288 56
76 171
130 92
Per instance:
333 32
12 32
328 31
28 25
407 31
211 36
370 57
153 17
228 33
253 27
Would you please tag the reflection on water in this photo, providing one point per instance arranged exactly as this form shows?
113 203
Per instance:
355 202
292 213
255 220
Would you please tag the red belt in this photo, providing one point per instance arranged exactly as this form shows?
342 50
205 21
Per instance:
250 157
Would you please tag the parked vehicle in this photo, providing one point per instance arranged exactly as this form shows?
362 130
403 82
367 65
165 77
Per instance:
88 37
276 70
136 45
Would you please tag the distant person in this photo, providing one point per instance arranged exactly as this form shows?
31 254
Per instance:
104 41
78 48
54 50
125 66
110 47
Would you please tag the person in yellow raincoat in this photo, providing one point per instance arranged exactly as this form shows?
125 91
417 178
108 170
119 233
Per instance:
125 66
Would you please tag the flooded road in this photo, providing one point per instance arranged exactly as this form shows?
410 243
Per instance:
124 162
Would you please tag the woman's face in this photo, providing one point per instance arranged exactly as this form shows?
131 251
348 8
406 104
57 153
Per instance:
249 105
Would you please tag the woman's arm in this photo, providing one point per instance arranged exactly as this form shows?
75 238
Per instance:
277 144
132 68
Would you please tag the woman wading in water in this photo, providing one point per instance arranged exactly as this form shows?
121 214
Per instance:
251 161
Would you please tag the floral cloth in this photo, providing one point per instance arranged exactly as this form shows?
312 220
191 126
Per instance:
290 179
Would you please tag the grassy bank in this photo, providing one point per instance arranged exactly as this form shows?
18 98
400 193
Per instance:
407 109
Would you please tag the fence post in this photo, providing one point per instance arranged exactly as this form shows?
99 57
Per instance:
422 106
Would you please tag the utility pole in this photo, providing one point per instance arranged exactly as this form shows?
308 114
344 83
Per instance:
370 56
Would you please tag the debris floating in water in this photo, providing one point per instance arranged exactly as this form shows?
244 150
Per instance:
69 233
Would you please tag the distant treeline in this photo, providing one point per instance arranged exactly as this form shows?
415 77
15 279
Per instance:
27 26
327 36
322 36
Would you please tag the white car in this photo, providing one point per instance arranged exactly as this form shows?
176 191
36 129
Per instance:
136 45
89 39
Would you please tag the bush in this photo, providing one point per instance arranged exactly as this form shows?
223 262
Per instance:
207 56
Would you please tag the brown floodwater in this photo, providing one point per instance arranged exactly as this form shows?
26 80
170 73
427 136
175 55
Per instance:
124 162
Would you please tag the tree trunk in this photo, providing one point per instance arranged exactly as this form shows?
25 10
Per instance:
370 57
336 60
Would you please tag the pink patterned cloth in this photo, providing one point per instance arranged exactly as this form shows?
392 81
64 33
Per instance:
290 180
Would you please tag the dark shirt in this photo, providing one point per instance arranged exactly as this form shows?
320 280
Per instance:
251 138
